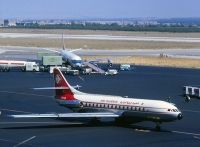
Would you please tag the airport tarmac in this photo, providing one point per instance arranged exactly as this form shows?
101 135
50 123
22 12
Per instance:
15 51
16 97
100 37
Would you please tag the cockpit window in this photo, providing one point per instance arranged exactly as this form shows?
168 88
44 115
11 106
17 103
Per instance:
172 110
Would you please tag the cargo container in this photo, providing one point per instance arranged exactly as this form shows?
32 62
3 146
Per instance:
52 60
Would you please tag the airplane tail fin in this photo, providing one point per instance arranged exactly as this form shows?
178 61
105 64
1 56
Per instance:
63 42
63 89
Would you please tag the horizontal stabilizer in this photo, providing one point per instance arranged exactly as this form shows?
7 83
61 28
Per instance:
54 88
67 115
50 88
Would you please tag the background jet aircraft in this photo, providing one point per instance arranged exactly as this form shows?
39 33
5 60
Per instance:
68 56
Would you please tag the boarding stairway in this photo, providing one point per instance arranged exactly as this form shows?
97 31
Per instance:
95 68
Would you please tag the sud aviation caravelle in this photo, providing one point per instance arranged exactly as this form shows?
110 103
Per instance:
96 106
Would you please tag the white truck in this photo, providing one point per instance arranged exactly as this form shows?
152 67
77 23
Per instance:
125 67
6 65
65 70
32 66
111 72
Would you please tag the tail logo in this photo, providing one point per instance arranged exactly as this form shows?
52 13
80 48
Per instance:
58 79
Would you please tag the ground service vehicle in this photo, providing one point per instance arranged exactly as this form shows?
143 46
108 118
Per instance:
6 65
125 67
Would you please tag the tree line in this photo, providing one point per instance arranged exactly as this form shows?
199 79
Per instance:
113 26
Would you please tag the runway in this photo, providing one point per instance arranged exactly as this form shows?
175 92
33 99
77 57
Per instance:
15 51
18 97
101 37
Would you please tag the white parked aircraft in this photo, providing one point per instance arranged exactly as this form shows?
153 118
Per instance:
100 106
68 56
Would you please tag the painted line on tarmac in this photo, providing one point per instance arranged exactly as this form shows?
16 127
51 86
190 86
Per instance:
140 130
195 111
5 140
23 93
81 78
25 141
196 137
186 133
12 110
38 123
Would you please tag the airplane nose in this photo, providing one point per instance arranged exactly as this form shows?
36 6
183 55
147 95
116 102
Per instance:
180 116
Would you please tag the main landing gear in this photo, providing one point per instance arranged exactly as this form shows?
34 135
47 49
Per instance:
158 126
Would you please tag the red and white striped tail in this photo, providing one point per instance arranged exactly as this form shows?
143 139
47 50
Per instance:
63 89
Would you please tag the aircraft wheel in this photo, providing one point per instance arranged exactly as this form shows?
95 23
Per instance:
158 128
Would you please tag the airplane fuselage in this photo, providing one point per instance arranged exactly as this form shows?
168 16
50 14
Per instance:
142 109
73 59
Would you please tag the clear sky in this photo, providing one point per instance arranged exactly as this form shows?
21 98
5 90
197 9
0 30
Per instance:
62 9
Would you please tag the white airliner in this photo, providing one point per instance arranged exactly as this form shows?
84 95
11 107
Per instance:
96 106
68 56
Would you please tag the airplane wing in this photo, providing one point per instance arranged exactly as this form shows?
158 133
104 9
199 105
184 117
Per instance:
68 115
75 50
51 50
55 51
